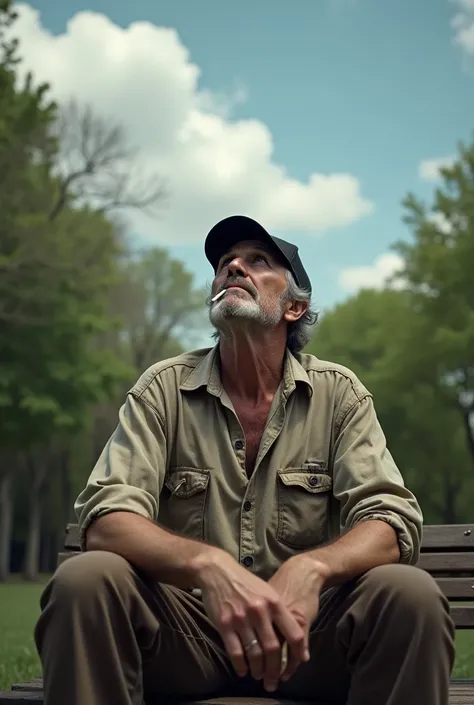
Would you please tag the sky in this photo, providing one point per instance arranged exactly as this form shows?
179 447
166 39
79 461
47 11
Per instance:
315 117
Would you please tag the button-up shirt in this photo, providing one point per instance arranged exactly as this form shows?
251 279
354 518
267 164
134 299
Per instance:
177 457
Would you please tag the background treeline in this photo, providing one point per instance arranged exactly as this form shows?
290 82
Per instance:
82 314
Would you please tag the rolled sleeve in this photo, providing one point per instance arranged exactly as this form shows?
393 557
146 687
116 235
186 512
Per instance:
368 483
129 474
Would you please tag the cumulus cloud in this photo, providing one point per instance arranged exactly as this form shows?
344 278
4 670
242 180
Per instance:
463 25
429 169
373 276
143 76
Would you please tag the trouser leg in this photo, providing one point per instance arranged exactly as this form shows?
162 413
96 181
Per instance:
386 638
106 635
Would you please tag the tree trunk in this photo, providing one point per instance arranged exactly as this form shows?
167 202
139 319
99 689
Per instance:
467 415
66 489
6 523
37 464
33 538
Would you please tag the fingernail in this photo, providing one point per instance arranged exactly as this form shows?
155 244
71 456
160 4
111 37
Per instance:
271 687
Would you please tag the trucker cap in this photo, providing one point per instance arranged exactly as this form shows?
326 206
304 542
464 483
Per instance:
226 233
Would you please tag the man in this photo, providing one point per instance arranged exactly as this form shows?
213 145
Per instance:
258 476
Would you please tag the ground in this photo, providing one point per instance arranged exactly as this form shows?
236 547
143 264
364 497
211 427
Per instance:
19 608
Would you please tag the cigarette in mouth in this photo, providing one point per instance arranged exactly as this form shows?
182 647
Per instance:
218 296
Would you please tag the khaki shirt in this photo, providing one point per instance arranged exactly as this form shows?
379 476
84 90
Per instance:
177 457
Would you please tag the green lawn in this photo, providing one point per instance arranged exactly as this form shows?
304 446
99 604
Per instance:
19 608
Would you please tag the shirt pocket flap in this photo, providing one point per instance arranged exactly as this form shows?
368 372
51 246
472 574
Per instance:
185 482
314 482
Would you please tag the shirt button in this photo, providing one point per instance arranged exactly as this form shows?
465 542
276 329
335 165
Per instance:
313 480
239 444
248 561
247 506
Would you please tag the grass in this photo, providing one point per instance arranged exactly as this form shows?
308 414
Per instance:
19 609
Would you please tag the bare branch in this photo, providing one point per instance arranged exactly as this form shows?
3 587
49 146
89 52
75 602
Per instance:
99 167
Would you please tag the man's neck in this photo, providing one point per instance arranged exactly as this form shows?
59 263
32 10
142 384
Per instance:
252 368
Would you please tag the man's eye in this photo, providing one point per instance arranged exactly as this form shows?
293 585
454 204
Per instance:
260 258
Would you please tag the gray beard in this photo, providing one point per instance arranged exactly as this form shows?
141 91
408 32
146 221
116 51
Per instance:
223 312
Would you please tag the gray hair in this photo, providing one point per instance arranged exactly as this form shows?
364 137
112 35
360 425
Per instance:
299 332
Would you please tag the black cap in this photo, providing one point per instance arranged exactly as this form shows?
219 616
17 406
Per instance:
236 228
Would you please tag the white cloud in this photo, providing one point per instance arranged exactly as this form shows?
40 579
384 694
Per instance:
463 25
429 169
374 276
214 165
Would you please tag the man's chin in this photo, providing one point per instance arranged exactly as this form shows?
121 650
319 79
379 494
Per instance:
234 315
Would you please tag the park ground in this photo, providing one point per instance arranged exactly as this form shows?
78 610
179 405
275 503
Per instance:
19 609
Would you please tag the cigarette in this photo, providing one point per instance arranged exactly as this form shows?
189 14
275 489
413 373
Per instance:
284 658
218 296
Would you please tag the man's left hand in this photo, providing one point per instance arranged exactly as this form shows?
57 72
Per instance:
299 582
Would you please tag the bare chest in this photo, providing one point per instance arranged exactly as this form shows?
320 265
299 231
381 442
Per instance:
253 423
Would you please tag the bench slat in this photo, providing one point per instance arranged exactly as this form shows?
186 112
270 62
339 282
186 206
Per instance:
457 588
448 537
449 562
463 617
461 692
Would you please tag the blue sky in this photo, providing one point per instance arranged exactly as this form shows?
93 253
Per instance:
368 88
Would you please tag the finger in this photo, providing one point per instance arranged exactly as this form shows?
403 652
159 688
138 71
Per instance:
289 663
253 653
233 646
271 648
296 637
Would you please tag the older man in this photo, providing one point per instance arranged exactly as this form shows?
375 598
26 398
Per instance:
246 507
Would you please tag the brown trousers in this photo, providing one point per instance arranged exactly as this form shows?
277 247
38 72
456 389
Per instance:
106 636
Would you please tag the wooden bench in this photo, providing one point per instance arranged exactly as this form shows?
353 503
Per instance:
447 554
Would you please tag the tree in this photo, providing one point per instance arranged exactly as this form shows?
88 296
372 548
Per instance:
160 310
438 272
26 116
159 304
52 374
62 171
379 335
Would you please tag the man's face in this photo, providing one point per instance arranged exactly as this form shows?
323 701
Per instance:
255 283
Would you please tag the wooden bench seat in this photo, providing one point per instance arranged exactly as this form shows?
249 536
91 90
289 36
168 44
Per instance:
447 554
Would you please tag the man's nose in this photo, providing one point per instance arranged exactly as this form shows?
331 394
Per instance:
236 267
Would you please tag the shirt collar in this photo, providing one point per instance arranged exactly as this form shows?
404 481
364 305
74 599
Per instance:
207 374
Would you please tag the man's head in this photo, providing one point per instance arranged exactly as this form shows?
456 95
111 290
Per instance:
265 283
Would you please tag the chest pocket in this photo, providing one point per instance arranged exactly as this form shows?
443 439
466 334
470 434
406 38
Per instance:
303 506
183 503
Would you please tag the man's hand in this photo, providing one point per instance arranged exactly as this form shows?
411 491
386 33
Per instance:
299 581
249 613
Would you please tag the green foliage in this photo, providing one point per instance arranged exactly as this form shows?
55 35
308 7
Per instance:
160 306
54 276
439 274
51 371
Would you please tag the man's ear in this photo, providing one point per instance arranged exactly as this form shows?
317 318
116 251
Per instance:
294 310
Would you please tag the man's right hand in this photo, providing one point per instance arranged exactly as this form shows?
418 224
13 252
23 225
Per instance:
245 610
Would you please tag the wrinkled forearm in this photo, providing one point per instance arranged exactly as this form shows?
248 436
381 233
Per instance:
365 546
163 556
